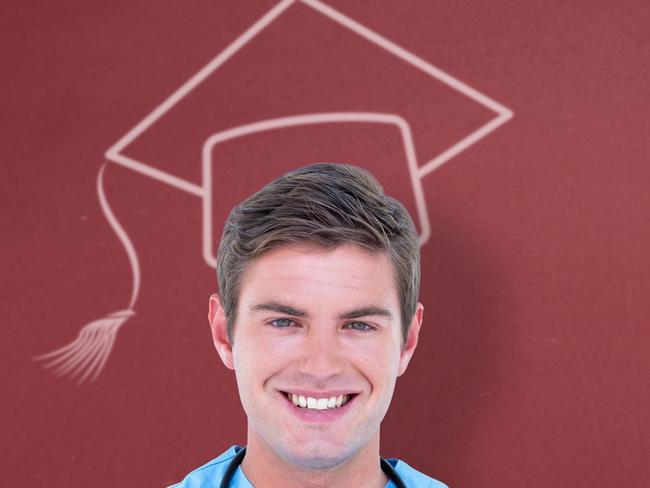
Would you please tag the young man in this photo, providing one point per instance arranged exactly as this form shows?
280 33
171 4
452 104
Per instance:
317 314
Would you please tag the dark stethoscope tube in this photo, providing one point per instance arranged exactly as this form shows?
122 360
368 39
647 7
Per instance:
239 457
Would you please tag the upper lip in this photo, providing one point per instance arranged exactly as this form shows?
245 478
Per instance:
318 394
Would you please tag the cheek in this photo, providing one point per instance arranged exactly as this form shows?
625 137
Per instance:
378 361
257 360
246 368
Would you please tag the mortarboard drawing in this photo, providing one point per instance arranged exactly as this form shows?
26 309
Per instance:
282 93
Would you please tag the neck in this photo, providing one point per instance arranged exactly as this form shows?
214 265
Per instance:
264 468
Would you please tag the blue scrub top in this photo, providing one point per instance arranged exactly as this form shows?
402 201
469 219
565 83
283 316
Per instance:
210 474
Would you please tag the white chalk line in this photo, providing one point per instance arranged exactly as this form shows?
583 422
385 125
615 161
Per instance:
302 120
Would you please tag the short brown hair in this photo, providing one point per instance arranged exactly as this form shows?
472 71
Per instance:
324 204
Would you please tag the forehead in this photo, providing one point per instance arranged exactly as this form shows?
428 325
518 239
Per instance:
345 276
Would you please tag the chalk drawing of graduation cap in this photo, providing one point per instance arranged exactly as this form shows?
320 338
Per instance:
302 65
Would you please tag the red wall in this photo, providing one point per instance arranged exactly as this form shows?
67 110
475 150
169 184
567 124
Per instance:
533 360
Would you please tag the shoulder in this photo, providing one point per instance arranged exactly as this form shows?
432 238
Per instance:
412 477
209 475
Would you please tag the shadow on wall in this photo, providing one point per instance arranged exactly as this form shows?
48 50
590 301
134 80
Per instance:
443 400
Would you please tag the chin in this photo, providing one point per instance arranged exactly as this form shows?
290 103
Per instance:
318 457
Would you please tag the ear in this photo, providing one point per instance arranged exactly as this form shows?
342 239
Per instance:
219 328
411 339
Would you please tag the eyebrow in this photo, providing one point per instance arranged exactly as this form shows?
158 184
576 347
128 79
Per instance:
277 307
366 312
294 312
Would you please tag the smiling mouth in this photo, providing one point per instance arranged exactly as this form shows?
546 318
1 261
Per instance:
312 403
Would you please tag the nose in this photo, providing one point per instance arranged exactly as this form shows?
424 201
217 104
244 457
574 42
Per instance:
321 357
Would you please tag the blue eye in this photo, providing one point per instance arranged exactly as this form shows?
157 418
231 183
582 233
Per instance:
282 323
360 326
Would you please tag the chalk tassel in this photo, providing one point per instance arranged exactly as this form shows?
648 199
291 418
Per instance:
85 357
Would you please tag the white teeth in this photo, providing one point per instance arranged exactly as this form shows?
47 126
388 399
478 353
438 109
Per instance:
318 403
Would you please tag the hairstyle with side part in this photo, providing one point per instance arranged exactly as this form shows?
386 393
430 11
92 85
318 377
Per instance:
326 205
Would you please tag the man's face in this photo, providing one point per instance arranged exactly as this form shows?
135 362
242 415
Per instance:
321 327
